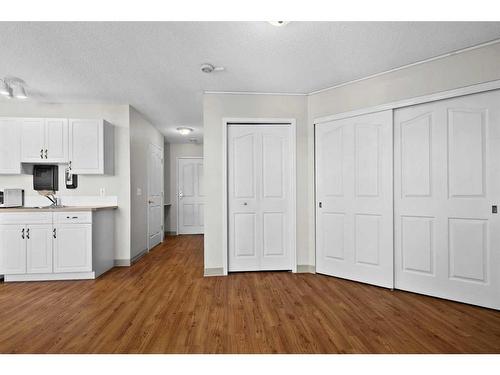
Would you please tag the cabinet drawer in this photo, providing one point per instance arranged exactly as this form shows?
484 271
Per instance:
26 218
73 217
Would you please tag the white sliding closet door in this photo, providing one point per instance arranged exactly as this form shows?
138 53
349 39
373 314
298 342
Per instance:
354 199
447 180
259 197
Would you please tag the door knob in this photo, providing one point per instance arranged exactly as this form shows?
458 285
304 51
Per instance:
245 203
150 202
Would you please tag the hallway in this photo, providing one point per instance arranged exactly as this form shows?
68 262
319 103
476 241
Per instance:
163 304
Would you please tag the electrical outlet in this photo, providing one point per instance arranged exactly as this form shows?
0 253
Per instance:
102 192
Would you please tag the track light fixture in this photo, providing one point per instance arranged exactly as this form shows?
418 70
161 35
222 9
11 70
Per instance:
4 88
13 88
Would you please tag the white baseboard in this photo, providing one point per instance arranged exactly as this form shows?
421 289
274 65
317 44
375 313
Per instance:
306 268
219 271
122 263
138 256
51 276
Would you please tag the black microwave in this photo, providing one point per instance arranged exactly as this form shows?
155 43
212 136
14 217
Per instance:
45 177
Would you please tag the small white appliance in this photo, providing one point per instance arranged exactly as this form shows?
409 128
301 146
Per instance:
11 198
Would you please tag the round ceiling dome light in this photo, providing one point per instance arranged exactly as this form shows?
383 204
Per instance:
184 130
279 23
209 68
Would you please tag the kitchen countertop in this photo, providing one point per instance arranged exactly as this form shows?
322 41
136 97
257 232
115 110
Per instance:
58 209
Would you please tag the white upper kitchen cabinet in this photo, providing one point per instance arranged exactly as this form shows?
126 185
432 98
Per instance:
10 152
91 146
56 140
44 141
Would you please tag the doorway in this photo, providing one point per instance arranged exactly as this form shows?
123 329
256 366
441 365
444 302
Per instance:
190 195
260 196
155 196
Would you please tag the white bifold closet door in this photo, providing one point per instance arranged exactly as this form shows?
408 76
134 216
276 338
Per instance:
447 182
259 196
354 198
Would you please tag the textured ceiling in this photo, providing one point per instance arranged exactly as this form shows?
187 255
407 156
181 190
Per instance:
155 66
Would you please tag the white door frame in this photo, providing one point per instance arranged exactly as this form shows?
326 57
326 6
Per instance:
177 187
151 145
291 122
448 94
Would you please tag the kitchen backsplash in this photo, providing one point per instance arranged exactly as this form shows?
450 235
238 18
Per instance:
71 200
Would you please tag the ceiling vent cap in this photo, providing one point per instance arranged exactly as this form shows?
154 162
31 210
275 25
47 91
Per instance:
209 68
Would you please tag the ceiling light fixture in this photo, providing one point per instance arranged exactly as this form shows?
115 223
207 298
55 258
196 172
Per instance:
4 88
209 68
19 92
13 88
279 23
184 131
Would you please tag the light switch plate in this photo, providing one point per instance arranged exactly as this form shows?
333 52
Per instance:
139 191
102 192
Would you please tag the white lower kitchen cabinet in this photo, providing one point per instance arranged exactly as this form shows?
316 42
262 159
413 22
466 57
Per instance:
39 248
56 245
73 248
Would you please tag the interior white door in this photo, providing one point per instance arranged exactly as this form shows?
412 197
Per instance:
190 193
447 180
155 196
39 248
56 140
260 228
33 140
354 199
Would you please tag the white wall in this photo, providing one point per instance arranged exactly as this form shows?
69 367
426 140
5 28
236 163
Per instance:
116 185
462 69
458 70
215 108
142 135
178 150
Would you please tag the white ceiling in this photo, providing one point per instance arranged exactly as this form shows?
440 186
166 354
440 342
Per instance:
155 66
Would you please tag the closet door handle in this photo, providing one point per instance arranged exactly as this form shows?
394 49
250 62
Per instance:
22 234
41 153
54 233
28 233
46 152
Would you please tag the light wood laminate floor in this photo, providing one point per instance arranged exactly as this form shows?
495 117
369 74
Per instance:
163 304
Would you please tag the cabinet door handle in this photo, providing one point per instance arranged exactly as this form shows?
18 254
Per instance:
46 152
22 234
54 233
28 233
41 153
